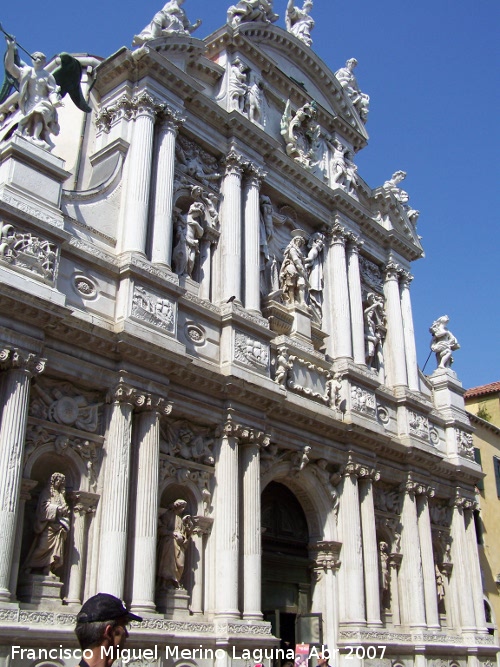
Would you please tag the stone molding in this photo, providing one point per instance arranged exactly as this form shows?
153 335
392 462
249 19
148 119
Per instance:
130 107
143 400
325 555
359 470
416 488
17 359
234 163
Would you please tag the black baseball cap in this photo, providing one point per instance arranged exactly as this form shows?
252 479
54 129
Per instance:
104 607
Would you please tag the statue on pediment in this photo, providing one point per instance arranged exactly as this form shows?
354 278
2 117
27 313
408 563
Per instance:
346 78
392 185
169 21
443 342
251 10
299 22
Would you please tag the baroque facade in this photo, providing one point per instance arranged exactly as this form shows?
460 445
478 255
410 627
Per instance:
206 329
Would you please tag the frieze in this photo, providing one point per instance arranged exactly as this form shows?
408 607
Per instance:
93 251
187 441
208 305
440 513
153 309
465 444
31 210
309 380
154 270
363 400
251 352
24 250
193 162
419 425
178 627
240 629
245 315
387 499
64 403
371 274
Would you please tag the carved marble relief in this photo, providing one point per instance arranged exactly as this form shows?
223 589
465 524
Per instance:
251 352
418 425
187 441
363 400
24 250
301 132
195 165
371 276
151 308
181 473
465 444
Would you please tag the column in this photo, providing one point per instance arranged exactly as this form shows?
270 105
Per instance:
352 553
20 368
461 575
162 233
231 228
325 556
252 238
340 314
355 300
27 485
474 567
408 332
428 566
251 542
135 222
226 537
412 584
209 239
202 530
394 348
370 548
82 504
115 494
147 461
394 565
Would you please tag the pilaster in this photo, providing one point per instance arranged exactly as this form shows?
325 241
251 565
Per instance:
231 228
254 177
394 349
428 567
325 557
409 332
340 318
355 299
370 547
83 504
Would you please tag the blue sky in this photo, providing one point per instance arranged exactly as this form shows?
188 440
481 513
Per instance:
431 69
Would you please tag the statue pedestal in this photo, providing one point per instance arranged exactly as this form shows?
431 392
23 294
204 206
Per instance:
448 399
174 602
31 180
301 327
37 588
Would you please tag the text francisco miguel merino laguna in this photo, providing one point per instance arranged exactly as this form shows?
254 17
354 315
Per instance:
153 653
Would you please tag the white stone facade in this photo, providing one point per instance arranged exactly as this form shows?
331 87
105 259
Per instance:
147 353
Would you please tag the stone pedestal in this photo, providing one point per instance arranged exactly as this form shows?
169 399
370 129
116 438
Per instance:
38 588
31 179
301 327
174 603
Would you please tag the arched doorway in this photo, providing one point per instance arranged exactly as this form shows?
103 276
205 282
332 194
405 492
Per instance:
286 577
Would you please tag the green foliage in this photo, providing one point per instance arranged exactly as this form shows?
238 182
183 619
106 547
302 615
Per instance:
483 413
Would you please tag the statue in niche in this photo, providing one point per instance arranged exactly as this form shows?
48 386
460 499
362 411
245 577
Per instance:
346 78
301 133
440 589
255 103
443 342
334 386
314 264
51 528
375 329
174 533
384 575
238 85
251 10
266 225
189 230
298 21
169 21
283 366
293 275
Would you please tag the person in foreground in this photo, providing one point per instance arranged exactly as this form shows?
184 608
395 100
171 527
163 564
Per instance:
101 625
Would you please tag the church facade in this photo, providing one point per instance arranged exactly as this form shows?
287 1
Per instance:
211 405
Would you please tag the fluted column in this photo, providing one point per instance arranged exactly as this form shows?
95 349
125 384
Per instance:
461 575
340 312
203 527
412 584
27 485
428 566
82 504
370 548
356 300
19 369
231 228
135 222
352 551
325 556
162 233
252 237
408 332
147 439
227 538
394 566
251 534
474 568
115 495
394 348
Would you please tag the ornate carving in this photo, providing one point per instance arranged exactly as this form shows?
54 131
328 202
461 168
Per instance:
440 513
174 468
325 555
150 307
244 12
66 404
416 488
465 444
443 342
251 352
85 286
187 441
402 197
301 133
359 470
234 163
129 108
195 333
418 424
346 78
363 400
195 164
29 252
327 478
386 499
14 358
371 275
300 459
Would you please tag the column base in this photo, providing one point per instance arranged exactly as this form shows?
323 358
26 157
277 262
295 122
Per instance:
143 608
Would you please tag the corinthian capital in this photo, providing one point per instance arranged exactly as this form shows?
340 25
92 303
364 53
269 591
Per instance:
360 470
170 119
255 174
463 501
338 235
234 163
14 358
416 488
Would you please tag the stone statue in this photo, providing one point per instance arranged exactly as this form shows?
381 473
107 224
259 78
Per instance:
283 366
443 342
293 275
169 21
51 528
251 10
349 83
392 185
301 133
174 532
255 105
314 264
334 387
266 224
298 21
375 328
38 97
440 589
301 459
189 230
238 85
384 574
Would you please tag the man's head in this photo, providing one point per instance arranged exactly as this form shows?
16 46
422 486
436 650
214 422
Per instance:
39 60
322 661
102 621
